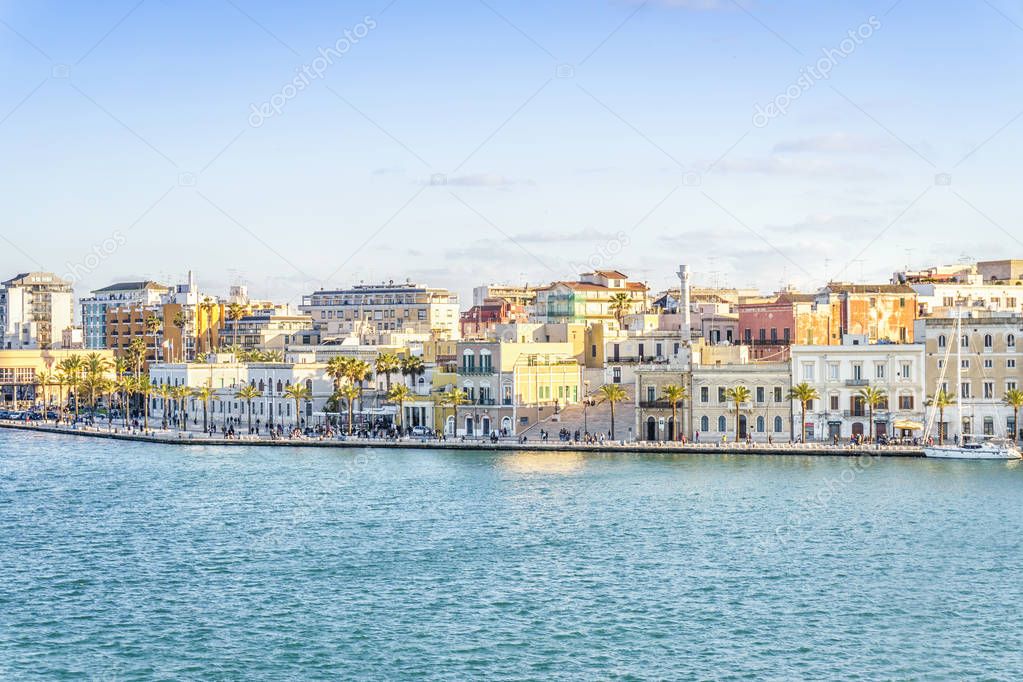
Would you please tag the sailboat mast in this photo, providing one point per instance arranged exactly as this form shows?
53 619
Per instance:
959 373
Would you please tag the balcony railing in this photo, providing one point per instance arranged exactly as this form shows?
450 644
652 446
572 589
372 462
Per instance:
657 404
474 370
857 382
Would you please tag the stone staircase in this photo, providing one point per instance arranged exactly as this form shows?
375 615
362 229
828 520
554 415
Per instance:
597 418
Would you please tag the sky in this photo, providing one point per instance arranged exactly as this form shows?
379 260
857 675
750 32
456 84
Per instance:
306 145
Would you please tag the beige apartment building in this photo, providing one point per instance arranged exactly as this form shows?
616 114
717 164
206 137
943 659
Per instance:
373 313
991 359
590 299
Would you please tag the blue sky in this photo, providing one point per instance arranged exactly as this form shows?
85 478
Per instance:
460 142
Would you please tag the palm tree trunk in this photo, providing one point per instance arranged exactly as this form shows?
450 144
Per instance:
612 419
250 416
674 421
802 423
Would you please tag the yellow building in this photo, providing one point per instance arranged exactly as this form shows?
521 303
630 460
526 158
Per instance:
20 371
511 386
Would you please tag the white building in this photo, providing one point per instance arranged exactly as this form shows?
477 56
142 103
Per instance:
226 378
943 298
840 372
35 309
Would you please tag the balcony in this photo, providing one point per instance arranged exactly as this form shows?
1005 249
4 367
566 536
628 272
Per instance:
475 371
857 382
657 404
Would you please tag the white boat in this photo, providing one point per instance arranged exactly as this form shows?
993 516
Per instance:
988 448
994 448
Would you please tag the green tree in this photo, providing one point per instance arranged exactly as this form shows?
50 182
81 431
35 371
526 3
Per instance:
1014 399
675 394
872 397
738 395
183 394
620 306
387 364
400 394
299 393
248 393
348 393
805 394
612 394
453 397
412 366
235 312
205 395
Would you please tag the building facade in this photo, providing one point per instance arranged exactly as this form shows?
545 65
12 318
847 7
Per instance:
989 349
589 300
119 295
35 309
372 313
839 373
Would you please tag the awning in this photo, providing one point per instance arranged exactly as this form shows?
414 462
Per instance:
908 425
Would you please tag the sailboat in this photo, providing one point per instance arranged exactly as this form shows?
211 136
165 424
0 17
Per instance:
989 448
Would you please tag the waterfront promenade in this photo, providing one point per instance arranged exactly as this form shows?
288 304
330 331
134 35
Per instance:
194 438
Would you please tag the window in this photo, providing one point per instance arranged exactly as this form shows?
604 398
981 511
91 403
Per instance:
966 364
905 402
1010 363
988 363
722 424
777 425
988 341
760 394
760 425
906 369
989 426
989 390
1010 341
807 371
721 394
777 394
879 370
942 341
834 402
704 396
833 371
651 394
704 424
857 372
1010 385
964 390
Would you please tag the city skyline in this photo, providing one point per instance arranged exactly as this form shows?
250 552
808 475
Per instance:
410 153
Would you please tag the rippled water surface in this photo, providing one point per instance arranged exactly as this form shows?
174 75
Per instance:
138 561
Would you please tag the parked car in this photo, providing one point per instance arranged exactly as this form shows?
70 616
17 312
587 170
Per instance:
421 431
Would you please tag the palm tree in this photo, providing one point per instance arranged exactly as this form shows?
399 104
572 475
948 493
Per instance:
183 393
738 395
453 397
299 393
387 364
95 366
72 368
611 394
805 394
248 393
205 395
42 380
144 387
166 394
400 393
872 397
412 366
337 369
235 312
127 388
136 355
180 321
1014 399
675 394
207 306
619 307
154 325
349 392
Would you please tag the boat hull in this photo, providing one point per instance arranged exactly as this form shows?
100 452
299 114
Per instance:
946 452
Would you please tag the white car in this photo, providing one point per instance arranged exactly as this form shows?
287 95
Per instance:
420 431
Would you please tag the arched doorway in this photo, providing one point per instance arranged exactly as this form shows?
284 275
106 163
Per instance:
671 429
651 428
469 426
485 426
857 428
449 426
